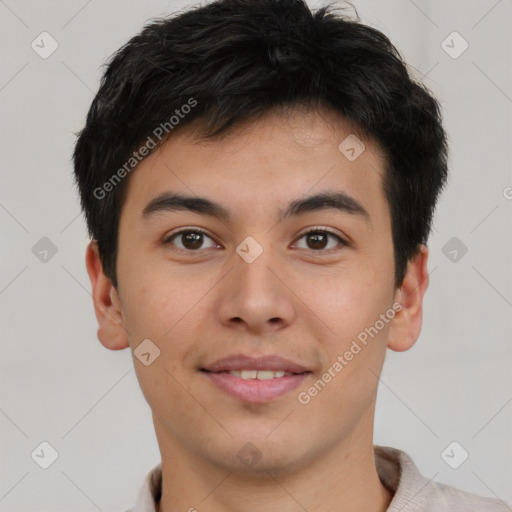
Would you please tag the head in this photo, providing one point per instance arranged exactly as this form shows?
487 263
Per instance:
251 108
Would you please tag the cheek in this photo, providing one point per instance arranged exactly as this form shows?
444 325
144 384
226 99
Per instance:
350 309
166 308
147 291
155 310
345 300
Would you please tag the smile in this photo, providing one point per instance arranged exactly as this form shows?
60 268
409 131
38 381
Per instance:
259 374
256 386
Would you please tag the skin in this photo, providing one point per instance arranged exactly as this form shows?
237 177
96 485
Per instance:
303 304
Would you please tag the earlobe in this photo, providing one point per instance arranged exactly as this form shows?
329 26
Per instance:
406 326
111 330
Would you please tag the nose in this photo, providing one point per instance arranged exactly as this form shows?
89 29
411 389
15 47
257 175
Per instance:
255 297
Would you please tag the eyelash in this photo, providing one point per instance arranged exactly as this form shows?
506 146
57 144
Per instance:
168 240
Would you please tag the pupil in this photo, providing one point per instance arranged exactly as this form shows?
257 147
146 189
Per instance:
192 240
317 242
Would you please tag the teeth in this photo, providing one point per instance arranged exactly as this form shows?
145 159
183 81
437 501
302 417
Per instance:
259 374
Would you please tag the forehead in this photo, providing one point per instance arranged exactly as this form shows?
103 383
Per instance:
269 161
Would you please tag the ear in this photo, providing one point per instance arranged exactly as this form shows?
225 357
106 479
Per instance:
111 330
406 325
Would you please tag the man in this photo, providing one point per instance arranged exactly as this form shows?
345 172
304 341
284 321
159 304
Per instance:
259 183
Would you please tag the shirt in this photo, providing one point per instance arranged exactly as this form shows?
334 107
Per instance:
397 472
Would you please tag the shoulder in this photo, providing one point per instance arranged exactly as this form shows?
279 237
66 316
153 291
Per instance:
414 492
445 497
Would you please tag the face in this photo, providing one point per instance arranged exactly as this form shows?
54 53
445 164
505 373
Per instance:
253 265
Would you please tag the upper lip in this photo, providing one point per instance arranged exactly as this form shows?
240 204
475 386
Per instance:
244 362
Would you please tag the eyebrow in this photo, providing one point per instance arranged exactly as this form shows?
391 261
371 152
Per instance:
171 202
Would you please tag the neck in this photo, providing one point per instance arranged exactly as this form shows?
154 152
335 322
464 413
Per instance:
343 478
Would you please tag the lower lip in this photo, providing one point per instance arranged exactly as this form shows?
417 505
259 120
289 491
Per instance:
255 390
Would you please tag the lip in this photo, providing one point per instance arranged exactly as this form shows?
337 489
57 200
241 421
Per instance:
255 390
244 362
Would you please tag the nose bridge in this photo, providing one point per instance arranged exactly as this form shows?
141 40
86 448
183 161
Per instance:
253 264
253 293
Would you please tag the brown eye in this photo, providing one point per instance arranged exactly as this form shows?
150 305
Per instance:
189 240
318 240
192 240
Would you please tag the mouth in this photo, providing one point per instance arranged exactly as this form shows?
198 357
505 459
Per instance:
257 374
255 380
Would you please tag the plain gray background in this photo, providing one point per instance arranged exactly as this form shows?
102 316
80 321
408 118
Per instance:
59 385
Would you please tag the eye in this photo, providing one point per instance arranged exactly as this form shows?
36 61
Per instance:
189 239
318 240
192 240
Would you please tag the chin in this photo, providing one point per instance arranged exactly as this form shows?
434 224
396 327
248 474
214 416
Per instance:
260 451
